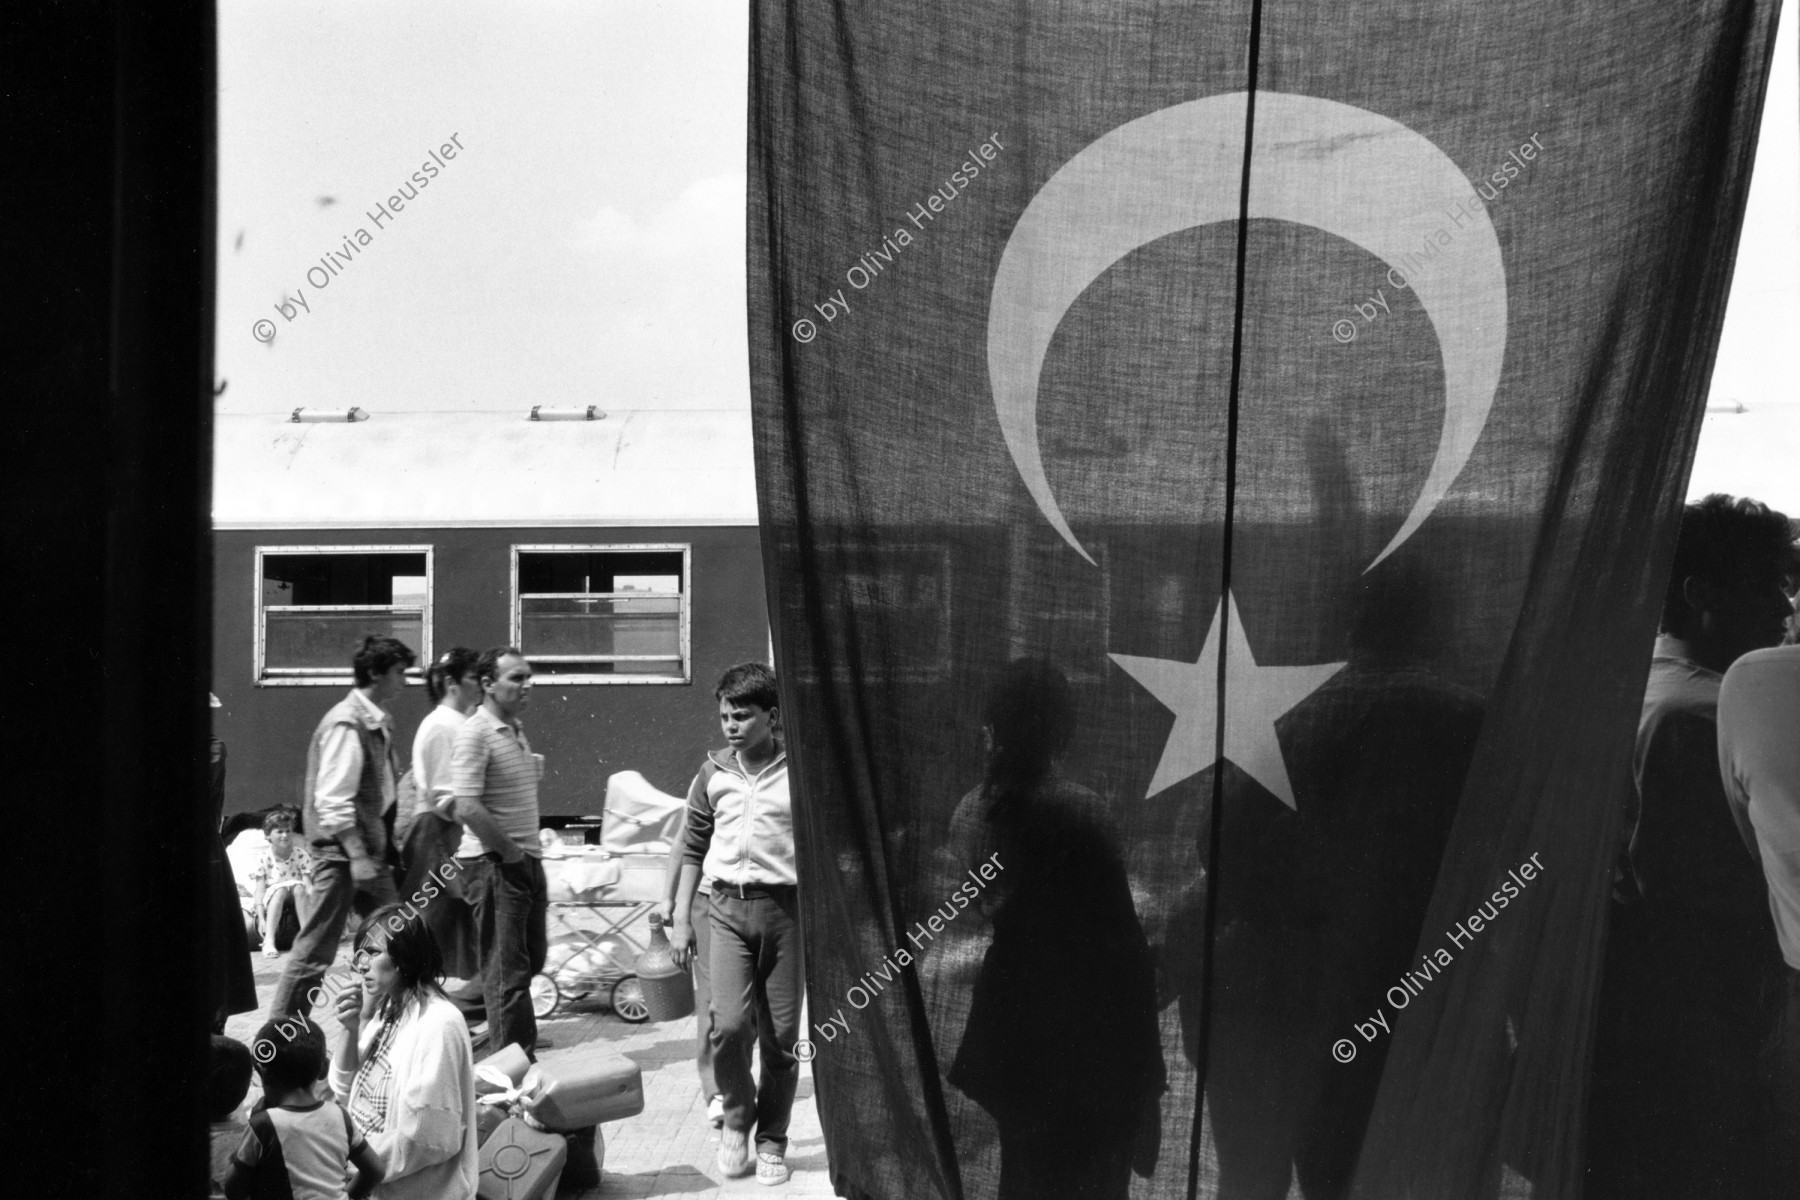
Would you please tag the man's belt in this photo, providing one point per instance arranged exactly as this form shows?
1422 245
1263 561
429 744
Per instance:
752 891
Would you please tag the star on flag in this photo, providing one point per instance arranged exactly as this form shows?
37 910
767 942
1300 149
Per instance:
1255 698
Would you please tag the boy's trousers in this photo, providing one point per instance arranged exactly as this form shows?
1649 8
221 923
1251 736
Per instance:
757 987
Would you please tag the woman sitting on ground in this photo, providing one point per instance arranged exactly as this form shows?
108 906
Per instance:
405 1070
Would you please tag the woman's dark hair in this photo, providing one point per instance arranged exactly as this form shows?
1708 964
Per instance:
413 949
748 683
282 817
1031 713
377 656
227 1077
454 664
289 1054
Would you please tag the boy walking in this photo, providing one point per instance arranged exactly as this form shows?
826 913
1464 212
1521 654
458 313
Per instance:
740 836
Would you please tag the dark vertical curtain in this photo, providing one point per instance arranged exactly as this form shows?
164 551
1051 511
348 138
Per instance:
1307 392
110 188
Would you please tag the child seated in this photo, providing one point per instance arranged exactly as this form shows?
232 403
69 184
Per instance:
297 1144
281 875
227 1083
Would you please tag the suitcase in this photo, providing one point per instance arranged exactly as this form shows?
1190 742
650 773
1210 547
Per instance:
592 1084
521 1163
587 1154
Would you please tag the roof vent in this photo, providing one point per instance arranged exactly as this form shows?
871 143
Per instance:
581 412
341 415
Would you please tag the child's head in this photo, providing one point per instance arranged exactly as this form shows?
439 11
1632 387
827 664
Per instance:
290 1055
749 711
279 827
227 1077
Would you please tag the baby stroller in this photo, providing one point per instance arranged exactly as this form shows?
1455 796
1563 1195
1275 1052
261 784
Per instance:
617 883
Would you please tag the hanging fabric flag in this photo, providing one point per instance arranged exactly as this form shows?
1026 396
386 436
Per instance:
1217 464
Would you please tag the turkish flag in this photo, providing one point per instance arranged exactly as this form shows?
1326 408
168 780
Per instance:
1218 462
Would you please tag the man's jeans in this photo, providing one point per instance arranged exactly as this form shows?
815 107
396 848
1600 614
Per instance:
758 983
511 903
335 895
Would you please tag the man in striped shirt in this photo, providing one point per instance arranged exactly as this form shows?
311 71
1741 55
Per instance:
494 779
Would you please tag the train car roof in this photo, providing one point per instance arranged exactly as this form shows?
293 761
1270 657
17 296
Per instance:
399 470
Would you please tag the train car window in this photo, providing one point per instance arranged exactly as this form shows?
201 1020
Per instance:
314 604
603 614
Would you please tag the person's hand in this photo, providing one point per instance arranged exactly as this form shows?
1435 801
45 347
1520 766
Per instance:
515 857
681 938
665 912
350 1009
364 868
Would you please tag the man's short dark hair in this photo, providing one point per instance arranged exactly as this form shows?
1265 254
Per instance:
488 665
749 683
284 817
1724 540
377 657
227 1077
289 1054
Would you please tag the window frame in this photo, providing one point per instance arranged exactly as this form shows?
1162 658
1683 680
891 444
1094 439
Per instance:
516 620
331 676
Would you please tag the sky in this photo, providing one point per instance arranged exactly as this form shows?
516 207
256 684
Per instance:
586 244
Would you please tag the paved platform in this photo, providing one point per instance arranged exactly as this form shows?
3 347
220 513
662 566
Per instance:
669 1148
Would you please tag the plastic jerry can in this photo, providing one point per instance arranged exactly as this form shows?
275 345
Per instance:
521 1163
587 1154
593 1083
502 1069
668 989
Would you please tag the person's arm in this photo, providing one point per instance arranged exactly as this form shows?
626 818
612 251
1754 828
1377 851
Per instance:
697 830
1736 794
672 872
370 1169
427 1120
482 824
352 1007
431 770
681 934
334 796
238 1179
468 777
259 881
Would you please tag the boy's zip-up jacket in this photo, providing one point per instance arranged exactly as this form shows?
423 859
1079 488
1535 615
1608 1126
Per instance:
740 827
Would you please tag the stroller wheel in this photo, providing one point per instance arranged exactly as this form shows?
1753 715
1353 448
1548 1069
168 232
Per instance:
545 996
628 1000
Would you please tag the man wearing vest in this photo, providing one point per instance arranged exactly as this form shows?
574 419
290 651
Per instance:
346 810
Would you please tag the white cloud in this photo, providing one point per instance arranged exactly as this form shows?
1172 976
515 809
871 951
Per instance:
707 217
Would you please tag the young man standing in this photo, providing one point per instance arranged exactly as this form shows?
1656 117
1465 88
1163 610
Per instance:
1675 1111
350 782
740 835
494 782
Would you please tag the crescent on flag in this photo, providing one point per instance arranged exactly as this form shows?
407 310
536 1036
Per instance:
1345 170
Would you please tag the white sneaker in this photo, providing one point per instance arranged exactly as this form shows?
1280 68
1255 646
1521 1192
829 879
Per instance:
734 1153
715 1111
771 1169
